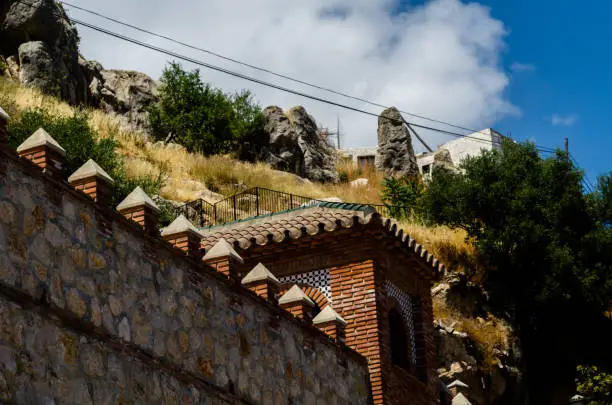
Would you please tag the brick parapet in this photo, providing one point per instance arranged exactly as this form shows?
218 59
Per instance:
45 158
123 243
359 296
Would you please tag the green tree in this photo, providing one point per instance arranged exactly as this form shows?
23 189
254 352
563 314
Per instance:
594 385
200 117
547 252
81 143
403 197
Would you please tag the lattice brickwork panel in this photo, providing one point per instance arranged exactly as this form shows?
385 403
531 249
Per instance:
406 309
317 278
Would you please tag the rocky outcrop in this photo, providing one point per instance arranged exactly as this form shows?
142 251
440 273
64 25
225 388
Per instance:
40 47
489 371
40 39
395 155
128 94
442 158
295 146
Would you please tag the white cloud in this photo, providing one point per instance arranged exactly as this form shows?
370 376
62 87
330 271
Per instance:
522 67
563 120
440 59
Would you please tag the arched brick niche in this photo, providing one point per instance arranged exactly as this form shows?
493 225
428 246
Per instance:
314 293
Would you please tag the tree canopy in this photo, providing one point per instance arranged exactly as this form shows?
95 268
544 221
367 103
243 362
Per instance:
547 247
201 117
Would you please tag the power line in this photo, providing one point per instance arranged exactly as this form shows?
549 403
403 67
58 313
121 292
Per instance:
587 183
278 87
273 85
283 76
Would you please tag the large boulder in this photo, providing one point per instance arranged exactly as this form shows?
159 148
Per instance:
38 36
128 94
395 155
36 67
296 146
40 47
442 158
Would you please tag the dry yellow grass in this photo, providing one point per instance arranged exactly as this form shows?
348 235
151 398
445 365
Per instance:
188 173
491 335
450 246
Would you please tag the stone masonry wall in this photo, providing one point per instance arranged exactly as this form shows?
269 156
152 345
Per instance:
92 310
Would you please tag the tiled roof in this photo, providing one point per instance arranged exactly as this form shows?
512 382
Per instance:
309 222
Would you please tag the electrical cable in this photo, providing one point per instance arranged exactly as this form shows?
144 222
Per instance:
273 85
283 76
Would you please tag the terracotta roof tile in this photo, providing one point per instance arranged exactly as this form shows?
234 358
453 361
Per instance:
310 221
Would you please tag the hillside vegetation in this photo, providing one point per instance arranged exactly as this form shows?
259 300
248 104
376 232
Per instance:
186 174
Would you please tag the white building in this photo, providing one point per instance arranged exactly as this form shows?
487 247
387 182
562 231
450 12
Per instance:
459 149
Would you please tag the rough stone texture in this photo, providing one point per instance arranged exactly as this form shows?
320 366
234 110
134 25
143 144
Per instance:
395 155
41 49
128 94
47 46
144 320
295 145
459 357
442 158
37 67
361 182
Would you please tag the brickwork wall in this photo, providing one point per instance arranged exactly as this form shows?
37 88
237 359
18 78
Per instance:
354 298
359 263
419 382
91 279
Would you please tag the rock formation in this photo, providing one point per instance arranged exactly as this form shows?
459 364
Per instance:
40 49
460 356
442 158
395 155
295 145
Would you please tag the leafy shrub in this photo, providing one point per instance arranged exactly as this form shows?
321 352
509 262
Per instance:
203 118
595 385
403 197
81 143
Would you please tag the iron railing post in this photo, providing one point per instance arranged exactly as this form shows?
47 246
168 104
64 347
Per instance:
257 199
234 201
290 201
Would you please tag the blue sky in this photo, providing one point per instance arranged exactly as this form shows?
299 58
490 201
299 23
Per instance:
565 49
473 64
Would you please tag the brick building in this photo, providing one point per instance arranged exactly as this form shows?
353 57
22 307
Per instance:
98 306
375 278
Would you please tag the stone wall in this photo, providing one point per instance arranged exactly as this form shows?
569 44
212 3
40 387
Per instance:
94 311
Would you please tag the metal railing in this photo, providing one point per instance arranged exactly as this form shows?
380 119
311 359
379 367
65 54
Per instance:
255 202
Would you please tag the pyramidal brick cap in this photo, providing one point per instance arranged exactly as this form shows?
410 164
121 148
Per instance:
222 249
458 383
295 294
460 399
328 315
90 169
137 198
180 225
41 138
260 273
4 117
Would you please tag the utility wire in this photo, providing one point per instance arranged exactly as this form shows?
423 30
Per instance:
277 87
273 85
587 183
283 76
